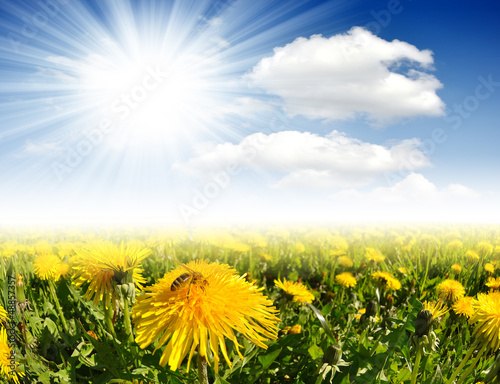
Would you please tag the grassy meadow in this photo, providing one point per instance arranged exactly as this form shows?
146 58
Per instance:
379 304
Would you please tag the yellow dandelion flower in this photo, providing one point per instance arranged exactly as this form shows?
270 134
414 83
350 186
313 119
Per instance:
8 249
42 247
464 306
299 247
346 279
238 246
254 238
450 290
338 245
403 270
454 246
387 280
297 291
346 262
361 312
49 266
437 308
373 255
472 256
484 248
490 268
62 270
487 315
5 361
102 263
456 269
428 241
215 303
493 283
295 329
65 249
4 316
496 251
266 256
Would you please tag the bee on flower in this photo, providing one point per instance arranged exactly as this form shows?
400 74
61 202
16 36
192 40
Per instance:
201 314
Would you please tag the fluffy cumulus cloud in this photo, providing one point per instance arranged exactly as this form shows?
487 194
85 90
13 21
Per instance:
307 160
351 75
414 188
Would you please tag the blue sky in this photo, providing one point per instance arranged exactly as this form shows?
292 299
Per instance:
199 111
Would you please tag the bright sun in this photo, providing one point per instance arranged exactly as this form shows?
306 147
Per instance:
151 99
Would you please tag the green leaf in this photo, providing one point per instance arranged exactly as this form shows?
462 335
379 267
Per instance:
293 276
268 359
327 309
404 374
51 326
220 380
437 378
315 351
323 322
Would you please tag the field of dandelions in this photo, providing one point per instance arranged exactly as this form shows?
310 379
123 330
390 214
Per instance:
282 305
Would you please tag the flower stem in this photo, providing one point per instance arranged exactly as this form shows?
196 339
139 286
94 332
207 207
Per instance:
202 369
52 290
416 365
472 364
126 321
462 364
108 319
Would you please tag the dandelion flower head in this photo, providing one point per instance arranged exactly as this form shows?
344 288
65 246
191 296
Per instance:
464 306
346 279
450 290
101 263
373 255
346 262
386 279
493 283
5 362
215 305
456 269
48 266
487 315
297 291
490 268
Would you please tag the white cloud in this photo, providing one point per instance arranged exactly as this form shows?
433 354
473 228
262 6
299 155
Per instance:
245 107
351 75
51 148
414 189
307 160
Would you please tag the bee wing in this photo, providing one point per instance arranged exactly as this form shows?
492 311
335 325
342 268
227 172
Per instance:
186 267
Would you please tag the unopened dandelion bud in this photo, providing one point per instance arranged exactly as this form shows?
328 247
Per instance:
423 323
122 289
126 290
332 354
20 296
412 284
371 308
389 301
